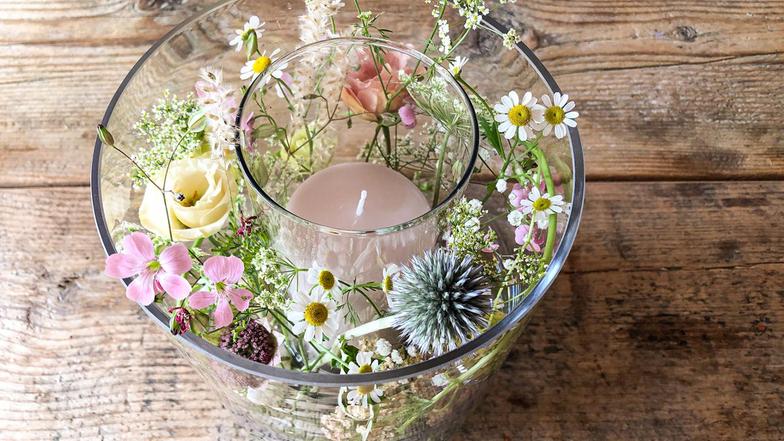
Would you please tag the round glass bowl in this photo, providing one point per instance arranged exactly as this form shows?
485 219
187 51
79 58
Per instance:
351 192
279 404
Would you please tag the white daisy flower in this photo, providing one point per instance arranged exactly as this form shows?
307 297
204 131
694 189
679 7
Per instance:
314 314
254 24
359 395
541 206
390 275
501 185
518 117
558 113
254 68
323 278
457 66
515 218
383 347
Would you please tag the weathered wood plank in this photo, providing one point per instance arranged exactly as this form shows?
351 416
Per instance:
668 89
652 332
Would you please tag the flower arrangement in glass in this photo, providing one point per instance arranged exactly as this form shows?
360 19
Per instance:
336 240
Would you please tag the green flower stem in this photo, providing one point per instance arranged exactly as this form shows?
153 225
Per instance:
387 141
547 254
440 169
456 383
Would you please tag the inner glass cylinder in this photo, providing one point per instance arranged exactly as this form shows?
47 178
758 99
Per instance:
354 146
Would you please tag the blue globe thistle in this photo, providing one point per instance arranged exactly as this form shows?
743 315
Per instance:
440 300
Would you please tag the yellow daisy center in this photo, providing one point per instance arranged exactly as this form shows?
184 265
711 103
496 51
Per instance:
316 314
326 279
261 64
554 115
519 115
386 285
365 369
542 204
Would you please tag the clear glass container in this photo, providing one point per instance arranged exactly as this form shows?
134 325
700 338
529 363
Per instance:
387 209
423 401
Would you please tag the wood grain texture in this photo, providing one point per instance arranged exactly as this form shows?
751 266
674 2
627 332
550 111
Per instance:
669 89
658 329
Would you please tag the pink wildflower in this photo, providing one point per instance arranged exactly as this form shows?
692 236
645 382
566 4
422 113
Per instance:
538 238
224 273
408 116
154 274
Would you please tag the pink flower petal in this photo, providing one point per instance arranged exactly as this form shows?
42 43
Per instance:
240 298
121 265
408 116
224 269
202 299
141 290
139 245
174 285
223 314
175 259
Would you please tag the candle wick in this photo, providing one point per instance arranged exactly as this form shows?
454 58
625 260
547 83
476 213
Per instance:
361 203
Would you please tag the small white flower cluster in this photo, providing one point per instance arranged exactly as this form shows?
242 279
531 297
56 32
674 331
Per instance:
443 35
316 24
164 127
268 269
472 10
220 107
511 38
465 231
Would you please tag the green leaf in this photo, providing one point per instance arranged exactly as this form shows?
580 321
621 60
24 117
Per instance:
251 44
492 135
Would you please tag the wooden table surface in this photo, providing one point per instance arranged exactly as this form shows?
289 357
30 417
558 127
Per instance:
666 324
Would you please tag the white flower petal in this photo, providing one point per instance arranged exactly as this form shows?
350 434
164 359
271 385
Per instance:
546 100
506 101
527 99
515 98
500 108
570 122
510 132
569 106
504 126
560 131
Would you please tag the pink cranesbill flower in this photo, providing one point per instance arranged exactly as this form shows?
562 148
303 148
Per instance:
408 116
224 273
538 238
154 274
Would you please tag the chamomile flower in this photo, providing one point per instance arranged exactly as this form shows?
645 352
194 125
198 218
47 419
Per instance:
315 315
254 24
324 279
558 114
456 66
518 117
362 395
254 68
280 75
541 206
391 272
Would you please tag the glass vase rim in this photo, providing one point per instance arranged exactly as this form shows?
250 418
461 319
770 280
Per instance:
465 178
217 354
